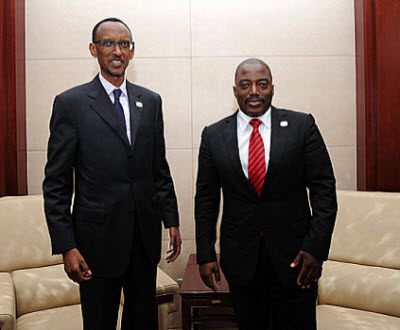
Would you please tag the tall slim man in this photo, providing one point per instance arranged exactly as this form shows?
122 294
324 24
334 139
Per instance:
271 165
107 146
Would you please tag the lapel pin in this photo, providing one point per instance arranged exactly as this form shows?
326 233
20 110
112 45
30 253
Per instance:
139 104
284 123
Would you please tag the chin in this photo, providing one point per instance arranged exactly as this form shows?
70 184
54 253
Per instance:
254 112
116 74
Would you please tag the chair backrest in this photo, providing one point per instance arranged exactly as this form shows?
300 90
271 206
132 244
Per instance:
363 270
24 238
367 229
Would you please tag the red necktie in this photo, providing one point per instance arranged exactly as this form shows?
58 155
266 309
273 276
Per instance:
256 169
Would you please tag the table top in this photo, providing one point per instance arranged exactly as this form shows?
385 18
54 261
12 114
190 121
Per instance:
193 284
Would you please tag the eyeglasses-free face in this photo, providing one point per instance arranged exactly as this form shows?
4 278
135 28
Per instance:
113 59
108 44
254 89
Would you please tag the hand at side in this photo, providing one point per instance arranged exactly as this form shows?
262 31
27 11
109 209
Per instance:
175 242
207 270
75 266
311 268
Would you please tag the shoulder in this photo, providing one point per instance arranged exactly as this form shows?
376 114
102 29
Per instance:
75 92
137 89
292 114
301 120
216 126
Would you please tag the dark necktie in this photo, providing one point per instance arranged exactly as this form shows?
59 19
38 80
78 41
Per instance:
117 93
256 169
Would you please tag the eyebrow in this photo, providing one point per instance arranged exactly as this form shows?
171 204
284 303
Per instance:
244 80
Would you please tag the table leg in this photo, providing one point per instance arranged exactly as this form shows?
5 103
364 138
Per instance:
195 312
186 316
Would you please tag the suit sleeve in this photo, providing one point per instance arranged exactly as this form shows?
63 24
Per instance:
162 176
320 181
207 202
58 182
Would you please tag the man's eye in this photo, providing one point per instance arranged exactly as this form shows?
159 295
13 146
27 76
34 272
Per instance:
124 44
263 84
107 43
244 85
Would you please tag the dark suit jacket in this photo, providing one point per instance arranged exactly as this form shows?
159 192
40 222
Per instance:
298 160
113 180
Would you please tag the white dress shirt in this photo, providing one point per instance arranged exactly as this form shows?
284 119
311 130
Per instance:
244 130
123 99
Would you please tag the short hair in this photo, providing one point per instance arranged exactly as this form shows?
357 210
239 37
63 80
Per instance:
252 61
110 19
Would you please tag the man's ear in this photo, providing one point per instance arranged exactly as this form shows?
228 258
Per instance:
132 53
93 49
234 91
273 89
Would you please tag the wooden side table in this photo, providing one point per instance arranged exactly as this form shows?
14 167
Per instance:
196 297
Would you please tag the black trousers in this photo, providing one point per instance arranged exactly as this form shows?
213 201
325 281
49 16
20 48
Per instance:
268 304
100 297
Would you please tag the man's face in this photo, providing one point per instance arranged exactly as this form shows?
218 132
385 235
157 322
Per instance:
114 62
254 89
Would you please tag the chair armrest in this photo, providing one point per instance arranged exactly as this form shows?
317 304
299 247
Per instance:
7 302
167 291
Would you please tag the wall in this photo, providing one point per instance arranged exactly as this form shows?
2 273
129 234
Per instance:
187 50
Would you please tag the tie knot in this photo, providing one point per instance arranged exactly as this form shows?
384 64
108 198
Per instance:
255 123
117 93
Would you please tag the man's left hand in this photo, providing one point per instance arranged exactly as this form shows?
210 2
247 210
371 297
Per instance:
174 244
311 268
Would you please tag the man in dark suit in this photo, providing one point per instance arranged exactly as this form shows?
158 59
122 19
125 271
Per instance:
107 142
272 246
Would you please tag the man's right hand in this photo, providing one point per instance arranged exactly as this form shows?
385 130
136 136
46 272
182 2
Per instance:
75 266
207 271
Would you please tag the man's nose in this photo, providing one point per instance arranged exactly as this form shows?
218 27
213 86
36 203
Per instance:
254 90
117 50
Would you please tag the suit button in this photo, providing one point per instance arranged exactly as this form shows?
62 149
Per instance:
130 155
132 211
132 182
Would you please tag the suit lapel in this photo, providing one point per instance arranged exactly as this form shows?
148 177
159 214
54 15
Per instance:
278 141
136 109
102 104
231 144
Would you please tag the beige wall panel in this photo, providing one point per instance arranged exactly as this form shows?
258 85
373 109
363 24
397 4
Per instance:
269 27
44 80
212 81
171 79
62 29
180 162
323 86
344 160
36 162
176 269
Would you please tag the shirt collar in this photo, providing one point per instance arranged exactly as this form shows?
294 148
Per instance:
244 120
109 87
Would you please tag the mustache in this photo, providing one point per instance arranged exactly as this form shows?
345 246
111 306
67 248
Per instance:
248 99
